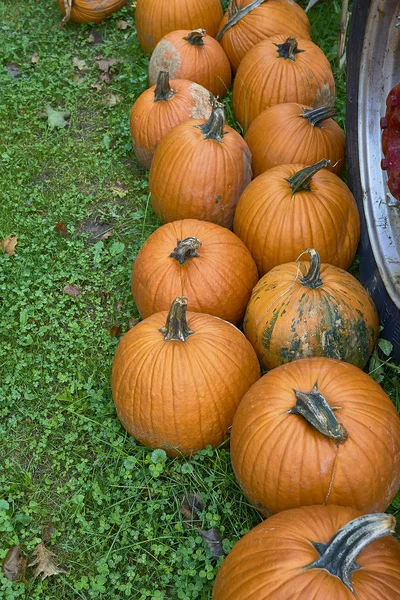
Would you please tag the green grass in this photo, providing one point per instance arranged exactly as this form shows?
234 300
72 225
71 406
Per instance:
107 507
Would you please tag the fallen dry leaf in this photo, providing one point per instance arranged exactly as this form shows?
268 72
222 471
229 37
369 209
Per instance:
8 244
106 235
118 306
122 25
132 323
213 539
61 229
191 506
45 563
104 64
14 565
79 64
35 58
47 532
72 290
115 331
111 100
13 69
96 86
95 38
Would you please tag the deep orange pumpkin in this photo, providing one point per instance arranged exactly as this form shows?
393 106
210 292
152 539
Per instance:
94 11
317 431
278 70
243 26
160 108
292 207
319 552
291 133
201 260
199 170
177 379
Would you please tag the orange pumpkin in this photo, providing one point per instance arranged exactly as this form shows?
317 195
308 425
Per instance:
292 207
247 22
278 70
177 379
192 55
291 133
86 11
319 552
199 170
156 18
317 431
201 260
324 312
160 108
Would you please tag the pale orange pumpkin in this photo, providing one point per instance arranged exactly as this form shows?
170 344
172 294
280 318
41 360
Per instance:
86 11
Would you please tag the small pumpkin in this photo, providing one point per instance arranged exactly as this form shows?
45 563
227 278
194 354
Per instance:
177 379
281 69
292 207
324 552
199 170
192 55
291 133
156 18
317 431
160 108
89 11
247 22
307 309
201 260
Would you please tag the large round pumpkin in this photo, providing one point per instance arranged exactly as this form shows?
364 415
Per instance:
298 310
156 18
86 11
281 69
160 108
317 431
192 55
199 170
291 133
318 552
247 22
201 260
177 379
291 207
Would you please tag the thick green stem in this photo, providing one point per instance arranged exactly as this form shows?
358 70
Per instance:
214 127
339 554
313 407
176 327
312 279
300 181
315 116
235 14
195 37
163 90
186 249
288 49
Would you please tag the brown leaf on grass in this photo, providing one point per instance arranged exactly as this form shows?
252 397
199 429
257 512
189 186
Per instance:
47 532
13 69
104 64
96 86
72 290
8 244
115 331
118 306
191 506
106 235
132 323
122 25
45 563
14 565
111 100
213 539
35 58
95 38
61 229
79 64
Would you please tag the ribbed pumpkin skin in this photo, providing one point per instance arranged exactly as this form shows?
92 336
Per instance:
156 18
205 64
196 178
181 394
150 120
277 226
286 320
218 282
268 562
263 79
282 462
281 136
270 18
92 11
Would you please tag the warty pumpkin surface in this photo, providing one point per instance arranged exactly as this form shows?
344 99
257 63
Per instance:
243 26
205 262
316 431
292 207
314 552
281 69
177 379
156 18
199 170
161 107
298 310
90 11
192 55
292 133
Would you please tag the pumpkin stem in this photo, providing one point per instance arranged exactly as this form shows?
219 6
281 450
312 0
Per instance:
163 90
313 407
235 14
338 555
195 37
176 327
185 249
312 279
288 49
315 116
214 127
299 182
